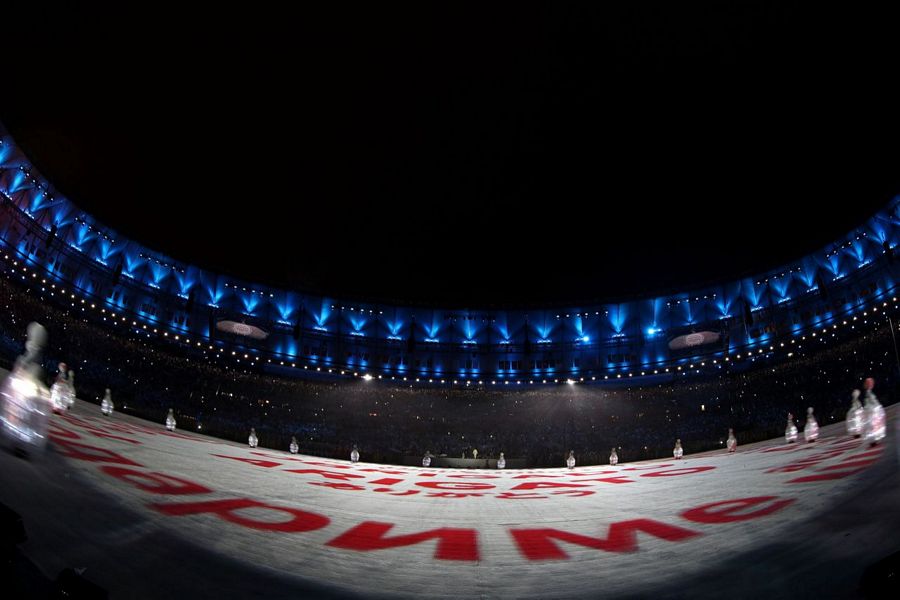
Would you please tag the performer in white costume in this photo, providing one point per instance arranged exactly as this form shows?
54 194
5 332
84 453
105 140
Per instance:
426 460
678 451
613 457
70 397
252 439
354 454
25 403
570 462
501 462
731 443
790 433
875 418
294 447
856 416
106 405
811 429
170 420
60 389
475 453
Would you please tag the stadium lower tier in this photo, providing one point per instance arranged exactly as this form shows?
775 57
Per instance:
388 422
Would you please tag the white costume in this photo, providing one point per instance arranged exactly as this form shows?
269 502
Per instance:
501 462
731 443
875 418
811 429
60 389
106 405
354 455
613 457
856 416
570 462
252 439
25 403
426 460
170 420
70 397
475 453
790 433
678 451
294 447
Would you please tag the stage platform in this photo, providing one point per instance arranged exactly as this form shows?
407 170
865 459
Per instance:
153 514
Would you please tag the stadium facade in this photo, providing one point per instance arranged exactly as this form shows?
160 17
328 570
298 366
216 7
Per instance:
79 261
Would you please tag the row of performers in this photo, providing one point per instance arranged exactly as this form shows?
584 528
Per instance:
294 447
62 392
730 443
24 396
867 421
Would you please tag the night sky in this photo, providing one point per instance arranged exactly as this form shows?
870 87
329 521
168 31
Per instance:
466 155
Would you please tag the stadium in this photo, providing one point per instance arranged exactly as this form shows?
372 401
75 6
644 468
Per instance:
411 442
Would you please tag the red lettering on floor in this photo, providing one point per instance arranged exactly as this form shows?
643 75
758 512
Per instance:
266 464
453 543
539 544
454 485
536 485
326 474
300 520
730 511
91 453
156 483
677 472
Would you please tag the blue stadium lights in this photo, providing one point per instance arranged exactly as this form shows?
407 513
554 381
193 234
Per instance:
162 263
145 289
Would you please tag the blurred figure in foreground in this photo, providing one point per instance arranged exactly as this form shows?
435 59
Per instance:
25 404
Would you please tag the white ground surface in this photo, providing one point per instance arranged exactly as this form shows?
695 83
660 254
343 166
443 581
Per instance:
331 528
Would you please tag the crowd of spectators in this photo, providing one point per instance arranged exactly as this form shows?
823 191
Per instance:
218 396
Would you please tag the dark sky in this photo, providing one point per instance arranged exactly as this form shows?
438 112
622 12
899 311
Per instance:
466 155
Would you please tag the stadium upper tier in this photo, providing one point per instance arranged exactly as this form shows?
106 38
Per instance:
72 258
